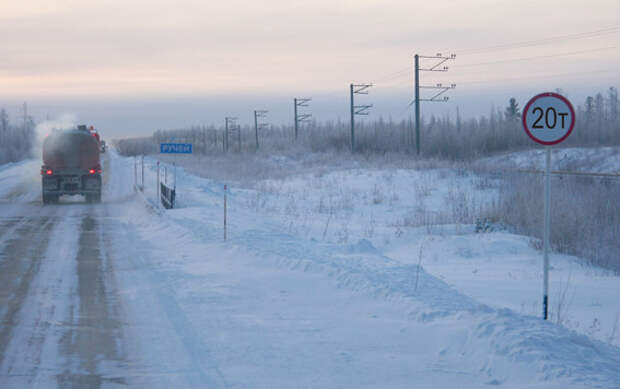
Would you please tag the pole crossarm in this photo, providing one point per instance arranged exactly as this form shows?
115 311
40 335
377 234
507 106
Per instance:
304 117
361 89
442 89
362 109
303 102
435 68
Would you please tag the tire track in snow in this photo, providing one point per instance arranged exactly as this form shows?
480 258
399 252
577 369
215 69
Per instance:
8 227
94 333
32 356
21 261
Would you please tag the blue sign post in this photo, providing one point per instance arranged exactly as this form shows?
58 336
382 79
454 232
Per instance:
168 193
175 148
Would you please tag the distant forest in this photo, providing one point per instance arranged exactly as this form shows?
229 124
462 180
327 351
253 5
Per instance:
598 124
17 138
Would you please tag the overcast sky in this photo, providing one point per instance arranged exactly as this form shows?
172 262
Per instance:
140 65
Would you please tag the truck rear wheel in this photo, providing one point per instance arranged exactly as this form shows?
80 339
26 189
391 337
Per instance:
93 198
50 199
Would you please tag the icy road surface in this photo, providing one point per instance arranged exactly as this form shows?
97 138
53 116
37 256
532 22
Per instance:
118 294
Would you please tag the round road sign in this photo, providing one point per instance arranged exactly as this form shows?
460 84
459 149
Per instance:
548 118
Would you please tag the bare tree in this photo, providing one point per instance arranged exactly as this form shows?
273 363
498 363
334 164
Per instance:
4 121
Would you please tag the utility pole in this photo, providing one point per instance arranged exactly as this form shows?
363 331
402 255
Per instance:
230 122
238 129
439 60
261 113
25 114
360 89
300 102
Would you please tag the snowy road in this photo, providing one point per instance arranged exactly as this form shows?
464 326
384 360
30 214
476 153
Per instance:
59 309
115 295
61 313
64 320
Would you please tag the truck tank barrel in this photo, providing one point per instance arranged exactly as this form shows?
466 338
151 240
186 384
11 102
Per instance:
75 149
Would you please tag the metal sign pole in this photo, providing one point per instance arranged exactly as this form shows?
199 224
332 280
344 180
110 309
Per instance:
142 173
547 232
548 119
225 211
157 200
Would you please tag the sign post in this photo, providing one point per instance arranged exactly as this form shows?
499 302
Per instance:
171 148
548 119
142 162
225 191
157 198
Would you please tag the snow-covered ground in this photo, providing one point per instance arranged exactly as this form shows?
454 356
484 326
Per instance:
411 217
368 278
421 216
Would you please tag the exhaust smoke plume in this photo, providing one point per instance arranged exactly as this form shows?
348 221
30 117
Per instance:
65 121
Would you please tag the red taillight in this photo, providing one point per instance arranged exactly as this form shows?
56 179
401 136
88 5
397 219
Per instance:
92 171
49 172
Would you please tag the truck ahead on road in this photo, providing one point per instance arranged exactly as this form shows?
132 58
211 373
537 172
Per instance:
71 165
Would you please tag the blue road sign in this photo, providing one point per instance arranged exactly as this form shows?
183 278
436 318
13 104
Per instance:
175 148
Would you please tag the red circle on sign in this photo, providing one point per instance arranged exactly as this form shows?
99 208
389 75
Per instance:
529 104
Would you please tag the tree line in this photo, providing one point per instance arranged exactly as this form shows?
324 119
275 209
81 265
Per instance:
451 137
17 138
597 124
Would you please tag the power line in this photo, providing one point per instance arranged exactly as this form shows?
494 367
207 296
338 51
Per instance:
540 56
541 76
516 45
403 72
393 75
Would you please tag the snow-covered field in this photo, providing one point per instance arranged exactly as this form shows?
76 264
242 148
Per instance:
426 217
411 217
370 278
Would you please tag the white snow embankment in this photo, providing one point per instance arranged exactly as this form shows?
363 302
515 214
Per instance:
499 344
20 181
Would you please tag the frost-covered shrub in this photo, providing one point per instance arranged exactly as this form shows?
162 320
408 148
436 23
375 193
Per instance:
585 214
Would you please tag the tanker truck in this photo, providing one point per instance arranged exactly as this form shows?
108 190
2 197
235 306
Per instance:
71 165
